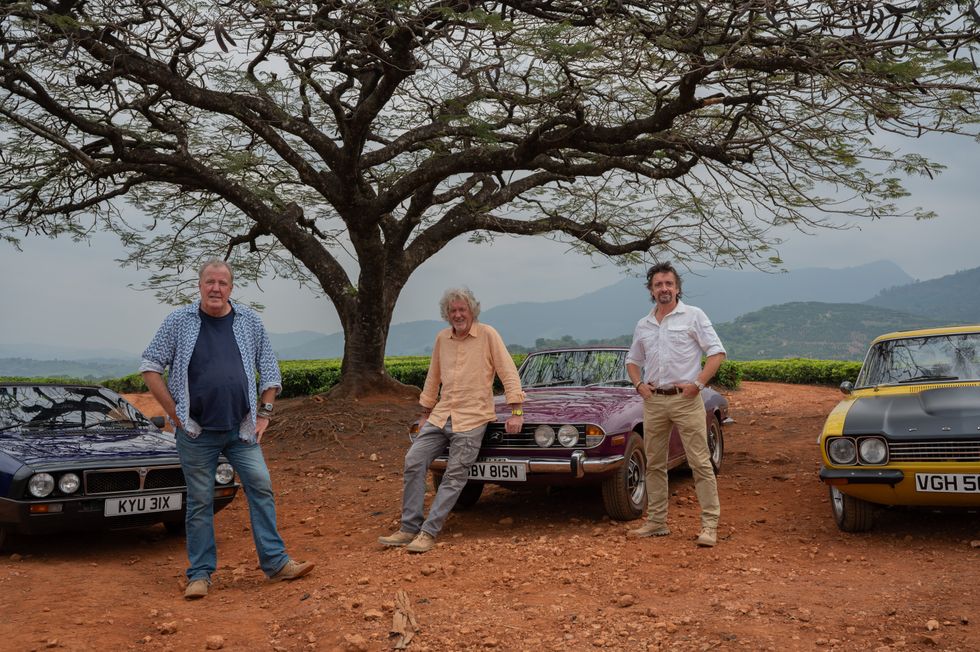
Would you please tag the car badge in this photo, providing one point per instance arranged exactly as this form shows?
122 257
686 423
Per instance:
143 472
496 436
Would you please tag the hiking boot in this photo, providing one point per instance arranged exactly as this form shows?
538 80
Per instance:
196 589
424 542
708 537
400 538
293 570
650 530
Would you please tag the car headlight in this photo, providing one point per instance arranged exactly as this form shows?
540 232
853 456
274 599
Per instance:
872 450
69 483
568 435
224 473
544 436
41 485
840 450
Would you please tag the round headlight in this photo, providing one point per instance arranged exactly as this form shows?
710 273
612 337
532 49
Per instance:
41 485
568 435
840 450
544 436
873 450
69 483
224 473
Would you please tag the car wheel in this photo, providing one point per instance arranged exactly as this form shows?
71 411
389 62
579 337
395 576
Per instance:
175 528
624 493
4 537
716 444
851 514
467 497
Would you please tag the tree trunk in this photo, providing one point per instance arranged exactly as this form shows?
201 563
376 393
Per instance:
366 324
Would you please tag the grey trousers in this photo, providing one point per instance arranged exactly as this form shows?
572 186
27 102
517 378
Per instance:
429 444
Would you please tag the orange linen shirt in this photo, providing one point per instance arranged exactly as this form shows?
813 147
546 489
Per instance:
465 367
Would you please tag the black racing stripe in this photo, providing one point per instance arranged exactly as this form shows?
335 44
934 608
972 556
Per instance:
947 413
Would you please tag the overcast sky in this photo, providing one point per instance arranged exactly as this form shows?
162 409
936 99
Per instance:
56 291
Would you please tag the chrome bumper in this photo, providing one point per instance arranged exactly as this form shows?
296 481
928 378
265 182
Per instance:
577 466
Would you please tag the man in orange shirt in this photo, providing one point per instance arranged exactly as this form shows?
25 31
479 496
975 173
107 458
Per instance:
465 358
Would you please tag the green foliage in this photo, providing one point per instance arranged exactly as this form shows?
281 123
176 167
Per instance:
729 375
801 371
131 384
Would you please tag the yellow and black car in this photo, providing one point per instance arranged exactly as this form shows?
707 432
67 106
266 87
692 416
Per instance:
908 432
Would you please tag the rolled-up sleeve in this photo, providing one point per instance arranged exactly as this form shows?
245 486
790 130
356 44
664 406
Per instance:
269 372
506 370
162 348
706 336
430 390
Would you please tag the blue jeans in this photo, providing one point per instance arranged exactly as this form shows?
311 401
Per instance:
199 459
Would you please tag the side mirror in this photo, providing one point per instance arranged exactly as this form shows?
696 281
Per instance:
846 387
159 422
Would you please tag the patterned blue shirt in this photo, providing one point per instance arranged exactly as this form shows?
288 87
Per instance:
173 346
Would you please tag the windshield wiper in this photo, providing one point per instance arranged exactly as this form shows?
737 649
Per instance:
551 383
612 383
914 379
113 423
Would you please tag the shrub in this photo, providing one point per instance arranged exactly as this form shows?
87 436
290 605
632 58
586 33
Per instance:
800 371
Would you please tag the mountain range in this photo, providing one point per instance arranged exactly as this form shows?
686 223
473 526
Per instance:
815 312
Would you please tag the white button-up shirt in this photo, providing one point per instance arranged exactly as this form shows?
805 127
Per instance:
669 352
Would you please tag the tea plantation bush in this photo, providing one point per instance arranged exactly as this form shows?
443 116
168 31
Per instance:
800 371
306 377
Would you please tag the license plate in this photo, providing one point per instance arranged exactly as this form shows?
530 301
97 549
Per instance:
499 471
142 504
952 483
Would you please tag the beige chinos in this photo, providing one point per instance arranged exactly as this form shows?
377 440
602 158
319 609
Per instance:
660 412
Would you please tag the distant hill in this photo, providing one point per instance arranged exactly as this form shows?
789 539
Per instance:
952 299
98 369
826 331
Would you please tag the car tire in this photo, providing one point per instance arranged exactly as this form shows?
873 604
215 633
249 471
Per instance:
624 493
716 443
175 528
851 514
4 538
468 497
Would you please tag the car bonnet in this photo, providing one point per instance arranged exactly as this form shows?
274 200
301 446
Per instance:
33 447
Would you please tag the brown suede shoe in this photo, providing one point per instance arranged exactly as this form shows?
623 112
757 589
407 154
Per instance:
424 542
650 530
708 537
196 589
293 570
399 538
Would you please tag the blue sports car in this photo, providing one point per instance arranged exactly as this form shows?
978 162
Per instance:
82 457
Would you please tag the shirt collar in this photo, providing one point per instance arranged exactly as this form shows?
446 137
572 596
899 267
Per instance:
473 331
680 308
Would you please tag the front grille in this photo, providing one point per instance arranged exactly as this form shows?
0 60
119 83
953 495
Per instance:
934 451
496 437
109 481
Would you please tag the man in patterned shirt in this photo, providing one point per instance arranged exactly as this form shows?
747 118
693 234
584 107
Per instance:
213 348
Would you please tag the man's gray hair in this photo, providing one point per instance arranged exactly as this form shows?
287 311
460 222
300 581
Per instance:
216 262
458 294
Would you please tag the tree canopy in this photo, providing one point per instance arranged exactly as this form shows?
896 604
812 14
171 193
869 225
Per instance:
302 138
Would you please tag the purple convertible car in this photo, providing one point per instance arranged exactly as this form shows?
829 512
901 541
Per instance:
583 424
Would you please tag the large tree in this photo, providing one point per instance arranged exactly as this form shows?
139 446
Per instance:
290 135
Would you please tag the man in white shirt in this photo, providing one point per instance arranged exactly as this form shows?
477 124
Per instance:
664 364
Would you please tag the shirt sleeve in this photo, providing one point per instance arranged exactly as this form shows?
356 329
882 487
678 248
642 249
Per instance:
506 370
706 336
265 359
430 390
636 355
161 349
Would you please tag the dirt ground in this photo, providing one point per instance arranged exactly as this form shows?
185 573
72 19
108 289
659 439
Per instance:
522 570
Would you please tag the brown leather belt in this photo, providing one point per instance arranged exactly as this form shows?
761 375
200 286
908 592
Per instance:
667 392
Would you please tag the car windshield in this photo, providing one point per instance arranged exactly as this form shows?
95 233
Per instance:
35 407
575 369
935 358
